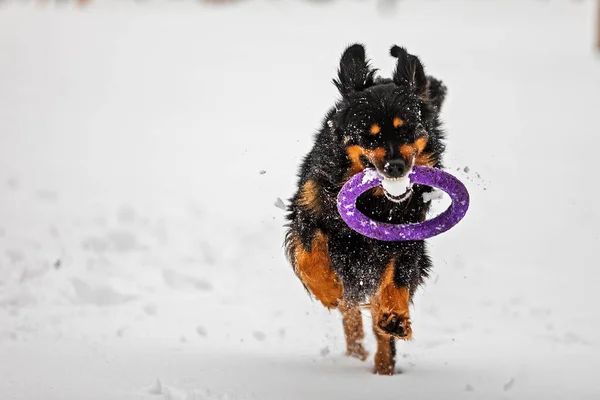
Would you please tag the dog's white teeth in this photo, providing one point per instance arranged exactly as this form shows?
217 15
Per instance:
396 186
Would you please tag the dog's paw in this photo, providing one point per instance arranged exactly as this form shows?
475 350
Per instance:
383 369
396 325
357 351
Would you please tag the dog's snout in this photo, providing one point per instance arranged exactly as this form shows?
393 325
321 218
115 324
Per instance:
394 168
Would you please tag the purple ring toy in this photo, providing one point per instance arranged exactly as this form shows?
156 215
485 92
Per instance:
428 176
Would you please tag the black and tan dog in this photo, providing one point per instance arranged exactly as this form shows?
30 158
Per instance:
387 124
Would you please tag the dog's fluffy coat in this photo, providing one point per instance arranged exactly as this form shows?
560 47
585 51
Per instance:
391 125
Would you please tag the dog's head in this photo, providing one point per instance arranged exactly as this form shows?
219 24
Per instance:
386 123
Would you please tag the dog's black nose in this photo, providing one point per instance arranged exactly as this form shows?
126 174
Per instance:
394 168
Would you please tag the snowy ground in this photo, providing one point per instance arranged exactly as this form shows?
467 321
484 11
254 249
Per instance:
139 239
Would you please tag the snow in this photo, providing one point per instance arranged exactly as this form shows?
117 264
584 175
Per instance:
369 175
156 388
127 263
433 195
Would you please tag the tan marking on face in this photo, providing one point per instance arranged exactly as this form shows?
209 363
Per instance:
375 129
426 159
407 151
420 144
414 149
376 156
398 122
354 152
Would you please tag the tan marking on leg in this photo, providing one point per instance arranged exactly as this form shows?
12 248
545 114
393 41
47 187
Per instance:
391 307
353 330
385 355
314 270
309 196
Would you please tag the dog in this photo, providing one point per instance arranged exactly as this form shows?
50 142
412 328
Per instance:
390 124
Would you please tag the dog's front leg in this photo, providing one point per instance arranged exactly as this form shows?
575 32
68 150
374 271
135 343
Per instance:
391 319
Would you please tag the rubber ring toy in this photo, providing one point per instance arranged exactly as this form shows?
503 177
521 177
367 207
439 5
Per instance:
434 177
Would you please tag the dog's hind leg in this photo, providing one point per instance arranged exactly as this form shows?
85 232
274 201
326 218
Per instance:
353 330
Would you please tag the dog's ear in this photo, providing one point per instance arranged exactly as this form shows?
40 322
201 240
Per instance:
436 90
354 73
409 71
